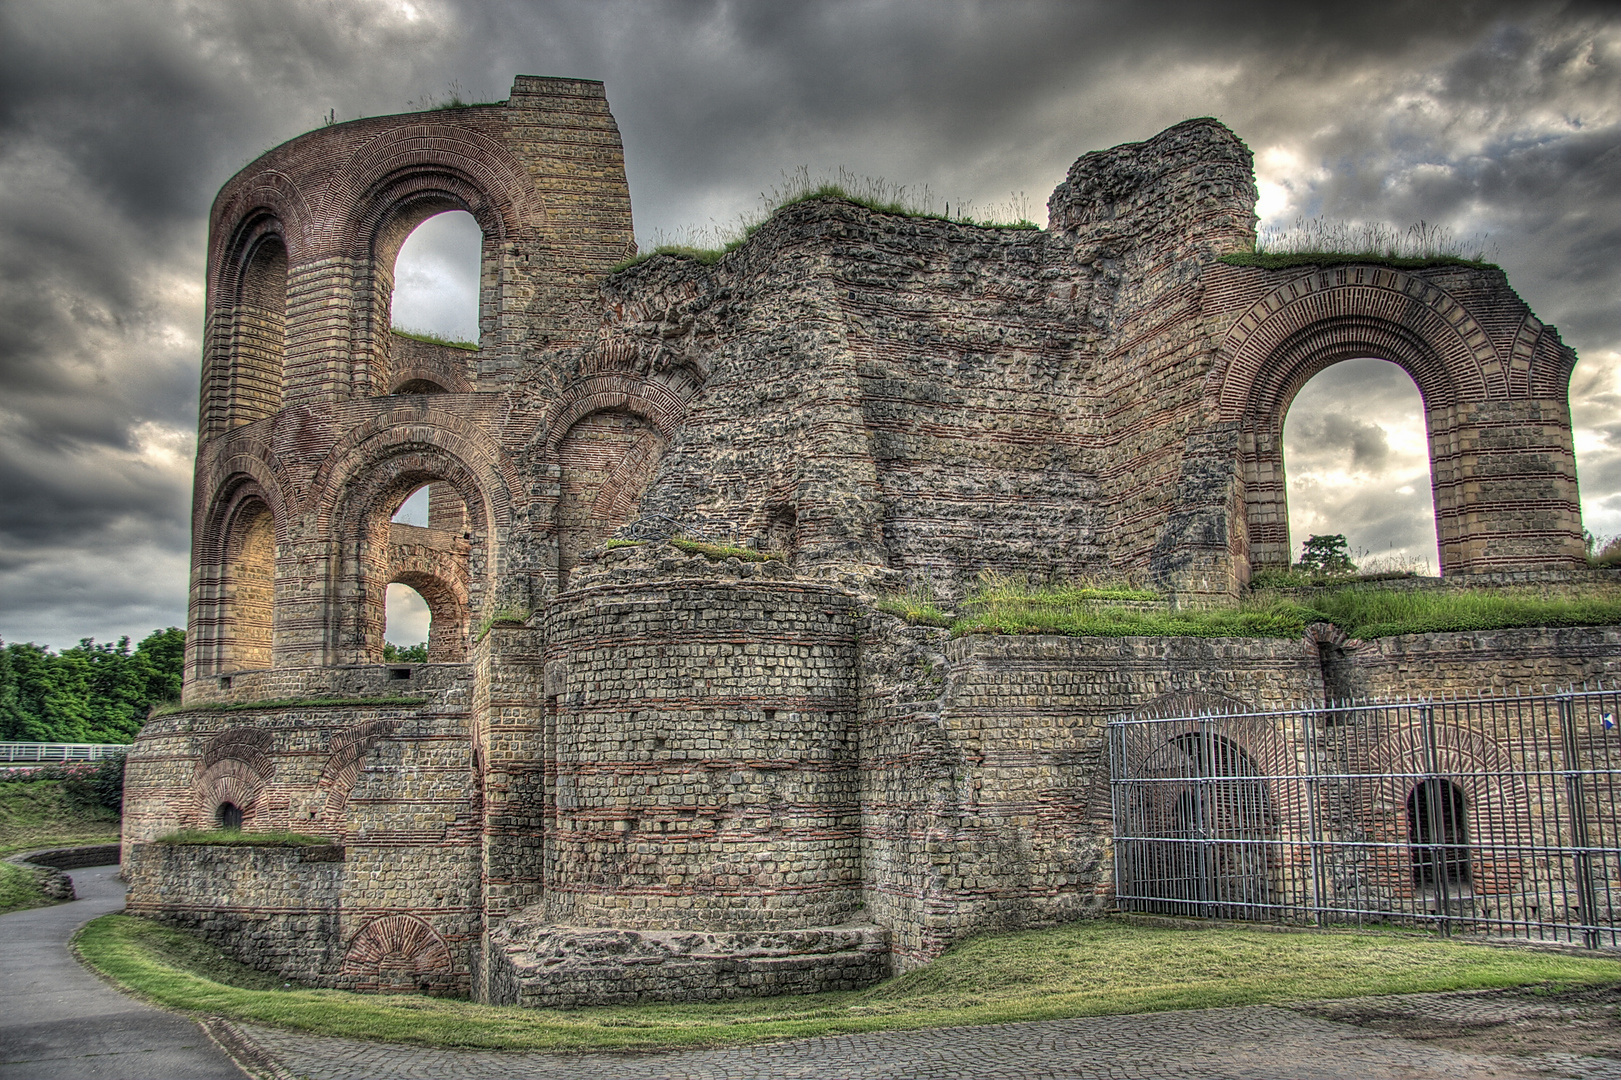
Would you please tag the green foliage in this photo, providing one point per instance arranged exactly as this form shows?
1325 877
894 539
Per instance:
721 552
91 693
405 654
39 812
19 888
1326 556
614 545
1272 617
1374 613
238 838
434 339
1602 551
1091 968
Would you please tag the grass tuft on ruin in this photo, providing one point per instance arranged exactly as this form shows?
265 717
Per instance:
434 339
722 552
1093 968
1014 606
239 838
709 246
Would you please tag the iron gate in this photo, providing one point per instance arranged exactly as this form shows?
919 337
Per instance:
1495 815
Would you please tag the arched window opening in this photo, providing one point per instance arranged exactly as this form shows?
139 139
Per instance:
434 506
607 460
1438 835
1357 453
229 817
250 592
436 279
408 627
260 334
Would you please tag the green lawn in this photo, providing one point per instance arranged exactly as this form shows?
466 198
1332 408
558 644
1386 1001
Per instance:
40 814
1085 969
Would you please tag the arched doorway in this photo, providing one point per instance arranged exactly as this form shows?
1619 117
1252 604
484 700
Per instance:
1356 459
1207 820
606 461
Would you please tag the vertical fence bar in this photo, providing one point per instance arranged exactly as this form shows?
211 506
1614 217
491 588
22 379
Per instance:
1313 832
1586 894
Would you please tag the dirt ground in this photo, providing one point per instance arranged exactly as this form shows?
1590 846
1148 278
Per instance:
1516 1021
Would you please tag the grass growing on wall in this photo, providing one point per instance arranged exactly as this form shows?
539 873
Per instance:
710 245
431 338
238 838
1010 606
1094 968
1375 613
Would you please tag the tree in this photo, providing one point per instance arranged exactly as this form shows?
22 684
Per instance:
405 654
1325 556
89 693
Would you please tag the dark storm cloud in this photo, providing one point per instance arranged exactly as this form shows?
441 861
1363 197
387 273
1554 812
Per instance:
119 122
1337 439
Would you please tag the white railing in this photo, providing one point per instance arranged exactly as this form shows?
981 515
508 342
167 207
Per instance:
57 751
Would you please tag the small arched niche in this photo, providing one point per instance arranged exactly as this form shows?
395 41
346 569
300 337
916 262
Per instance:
259 333
606 461
246 632
1438 836
1356 455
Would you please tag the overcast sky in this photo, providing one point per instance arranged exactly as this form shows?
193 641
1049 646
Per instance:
119 121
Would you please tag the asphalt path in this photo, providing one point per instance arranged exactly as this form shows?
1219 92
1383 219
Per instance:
59 1022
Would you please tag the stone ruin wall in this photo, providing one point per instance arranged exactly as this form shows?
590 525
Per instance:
394 900
744 776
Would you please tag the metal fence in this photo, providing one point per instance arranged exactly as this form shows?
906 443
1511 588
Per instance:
1494 815
46 752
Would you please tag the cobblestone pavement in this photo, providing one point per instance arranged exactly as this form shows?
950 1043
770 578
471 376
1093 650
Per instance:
1258 1041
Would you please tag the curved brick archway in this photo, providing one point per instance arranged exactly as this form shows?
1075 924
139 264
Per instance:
233 589
364 488
397 954
1495 505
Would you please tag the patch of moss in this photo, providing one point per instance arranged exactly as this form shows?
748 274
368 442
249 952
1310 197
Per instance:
722 552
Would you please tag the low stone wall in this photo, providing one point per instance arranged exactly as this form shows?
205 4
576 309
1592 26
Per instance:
985 796
1478 662
274 908
542 966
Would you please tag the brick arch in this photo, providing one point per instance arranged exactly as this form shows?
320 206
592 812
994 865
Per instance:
234 767
232 610
1497 804
361 489
345 755
246 347
393 183
439 580
397 954
1319 319
1249 791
